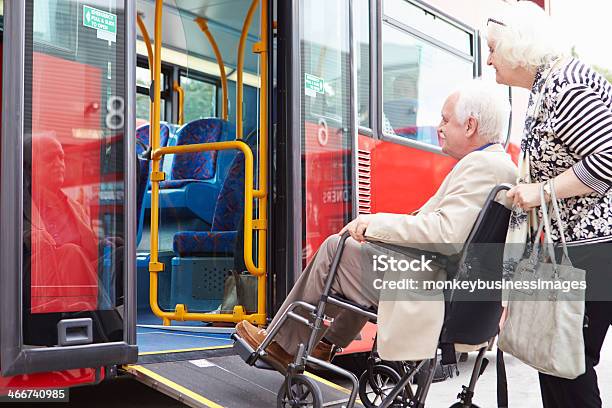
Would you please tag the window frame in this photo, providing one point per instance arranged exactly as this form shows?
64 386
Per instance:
16 358
166 93
382 19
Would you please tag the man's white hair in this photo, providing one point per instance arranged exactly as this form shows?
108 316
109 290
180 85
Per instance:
488 103
524 35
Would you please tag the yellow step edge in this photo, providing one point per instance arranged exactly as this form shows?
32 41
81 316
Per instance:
177 387
148 353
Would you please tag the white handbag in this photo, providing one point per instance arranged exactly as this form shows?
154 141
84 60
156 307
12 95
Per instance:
544 325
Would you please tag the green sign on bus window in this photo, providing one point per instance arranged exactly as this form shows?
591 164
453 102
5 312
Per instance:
103 22
313 85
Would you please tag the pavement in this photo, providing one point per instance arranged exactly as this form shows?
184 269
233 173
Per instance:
523 384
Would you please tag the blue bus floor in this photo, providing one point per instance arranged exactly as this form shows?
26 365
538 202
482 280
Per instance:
152 337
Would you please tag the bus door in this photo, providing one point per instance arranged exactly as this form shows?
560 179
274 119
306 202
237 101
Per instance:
313 148
68 169
326 133
209 204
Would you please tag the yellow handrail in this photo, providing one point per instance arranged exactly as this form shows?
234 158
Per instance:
181 101
262 49
240 68
147 40
156 175
204 27
181 312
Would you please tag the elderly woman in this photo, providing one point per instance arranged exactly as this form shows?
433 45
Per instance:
567 144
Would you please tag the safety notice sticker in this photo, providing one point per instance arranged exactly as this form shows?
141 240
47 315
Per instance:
103 22
313 85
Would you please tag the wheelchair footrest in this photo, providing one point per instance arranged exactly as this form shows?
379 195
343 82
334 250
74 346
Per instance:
246 352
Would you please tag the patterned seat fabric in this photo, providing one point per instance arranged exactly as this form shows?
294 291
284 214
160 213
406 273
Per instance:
193 243
142 142
142 183
168 184
198 166
142 134
143 170
228 214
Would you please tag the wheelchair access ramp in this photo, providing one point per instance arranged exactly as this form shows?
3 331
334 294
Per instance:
218 378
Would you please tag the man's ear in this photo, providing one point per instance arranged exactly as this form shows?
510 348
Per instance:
472 126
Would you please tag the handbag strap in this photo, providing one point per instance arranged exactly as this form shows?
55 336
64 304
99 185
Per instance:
555 205
546 218
502 382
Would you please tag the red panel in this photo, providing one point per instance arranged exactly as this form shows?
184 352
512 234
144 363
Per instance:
327 184
57 379
403 178
66 120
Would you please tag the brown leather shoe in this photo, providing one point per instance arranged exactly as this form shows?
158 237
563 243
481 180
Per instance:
323 351
276 356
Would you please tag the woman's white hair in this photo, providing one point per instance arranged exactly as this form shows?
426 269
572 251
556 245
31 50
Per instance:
524 35
488 103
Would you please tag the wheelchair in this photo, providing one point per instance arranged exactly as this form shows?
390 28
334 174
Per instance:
468 321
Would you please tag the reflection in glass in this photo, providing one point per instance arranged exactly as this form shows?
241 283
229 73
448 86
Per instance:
74 124
417 77
362 57
326 138
416 17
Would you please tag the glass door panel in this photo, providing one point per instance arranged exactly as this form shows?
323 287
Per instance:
325 116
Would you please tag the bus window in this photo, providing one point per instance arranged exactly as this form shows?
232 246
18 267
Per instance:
417 77
362 58
73 169
417 18
326 135
143 102
202 96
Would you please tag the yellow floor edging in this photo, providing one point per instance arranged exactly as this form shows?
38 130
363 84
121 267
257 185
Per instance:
330 384
148 353
185 391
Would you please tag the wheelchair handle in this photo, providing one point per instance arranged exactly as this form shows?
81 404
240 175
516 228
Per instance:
335 262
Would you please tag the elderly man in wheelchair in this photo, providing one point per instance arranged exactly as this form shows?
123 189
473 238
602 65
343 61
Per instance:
409 326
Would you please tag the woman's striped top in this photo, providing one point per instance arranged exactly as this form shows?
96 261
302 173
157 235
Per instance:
574 129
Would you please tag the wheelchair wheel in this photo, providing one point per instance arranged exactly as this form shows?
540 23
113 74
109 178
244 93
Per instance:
375 386
303 392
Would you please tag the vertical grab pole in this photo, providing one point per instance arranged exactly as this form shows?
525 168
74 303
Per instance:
261 48
240 68
147 40
156 175
204 27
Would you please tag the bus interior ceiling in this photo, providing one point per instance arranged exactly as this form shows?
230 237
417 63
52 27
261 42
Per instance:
197 238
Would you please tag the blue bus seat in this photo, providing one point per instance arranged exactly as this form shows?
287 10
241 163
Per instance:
221 239
142 185
142 134
195 179
144 168
201 166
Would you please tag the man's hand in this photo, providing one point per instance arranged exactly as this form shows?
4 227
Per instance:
525 196
357 227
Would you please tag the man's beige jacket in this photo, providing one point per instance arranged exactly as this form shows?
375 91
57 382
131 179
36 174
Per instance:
409 325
